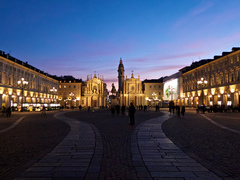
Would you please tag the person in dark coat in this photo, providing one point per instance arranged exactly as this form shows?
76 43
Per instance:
123 110
9 112
131 112
183 110
178 110
118 109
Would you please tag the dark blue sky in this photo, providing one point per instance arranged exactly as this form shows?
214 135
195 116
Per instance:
154 37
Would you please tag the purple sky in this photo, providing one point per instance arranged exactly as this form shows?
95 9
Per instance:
154 38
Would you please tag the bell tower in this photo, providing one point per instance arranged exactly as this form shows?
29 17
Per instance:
120 76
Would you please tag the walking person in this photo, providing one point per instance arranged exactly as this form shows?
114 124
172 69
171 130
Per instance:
183 110
178 110
123 110
131 112
43 111
8 112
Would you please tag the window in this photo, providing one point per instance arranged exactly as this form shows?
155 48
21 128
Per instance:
69 86
150 86
64 86
60 86
0 78
74 86
226 78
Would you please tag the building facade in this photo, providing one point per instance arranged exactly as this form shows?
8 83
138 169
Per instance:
131 90
153 92
220 81
172 88
70 92
94 92
22 85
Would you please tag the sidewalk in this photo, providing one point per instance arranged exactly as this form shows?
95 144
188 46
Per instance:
80 154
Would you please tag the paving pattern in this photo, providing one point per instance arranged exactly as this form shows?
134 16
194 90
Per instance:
215 147
77 156
29 141
161 157
103 150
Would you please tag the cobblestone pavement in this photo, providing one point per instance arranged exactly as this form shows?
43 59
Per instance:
216 148
116 136
162 158
101 146
28 141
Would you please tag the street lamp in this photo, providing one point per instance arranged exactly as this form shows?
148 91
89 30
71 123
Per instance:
202 82
71 95
22 84
53 90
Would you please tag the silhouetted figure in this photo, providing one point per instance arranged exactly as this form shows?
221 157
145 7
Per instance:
8 112
80 108
131 112
43 111
171 107
88 108
118 109
145 108
183 110
178 110
113 110
123 110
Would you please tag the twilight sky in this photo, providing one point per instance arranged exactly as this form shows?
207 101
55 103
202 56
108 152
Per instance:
154 38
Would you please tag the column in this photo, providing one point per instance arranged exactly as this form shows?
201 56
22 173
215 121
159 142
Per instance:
0 100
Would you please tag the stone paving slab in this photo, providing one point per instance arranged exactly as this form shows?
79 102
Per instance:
161 157
78 154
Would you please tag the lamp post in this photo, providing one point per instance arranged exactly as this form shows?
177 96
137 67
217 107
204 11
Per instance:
22 84
53 90
202 82
71 95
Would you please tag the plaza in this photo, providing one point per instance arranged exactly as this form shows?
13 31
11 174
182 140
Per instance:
96 145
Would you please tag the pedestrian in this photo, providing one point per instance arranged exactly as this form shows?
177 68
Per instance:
123 109
131 112
178 110
80 108
113 110
8 112
43 111
183 110
118 109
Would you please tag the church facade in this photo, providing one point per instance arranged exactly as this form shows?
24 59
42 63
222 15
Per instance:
94 92
130 89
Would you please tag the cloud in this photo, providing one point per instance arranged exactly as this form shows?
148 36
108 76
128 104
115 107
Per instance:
193 13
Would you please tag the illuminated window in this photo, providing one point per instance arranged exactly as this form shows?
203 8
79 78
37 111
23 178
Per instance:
60 86
64 86
229 103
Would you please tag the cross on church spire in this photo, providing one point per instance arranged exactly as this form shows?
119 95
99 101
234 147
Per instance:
132 74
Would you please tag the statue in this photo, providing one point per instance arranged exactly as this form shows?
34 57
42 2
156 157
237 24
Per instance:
113 91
